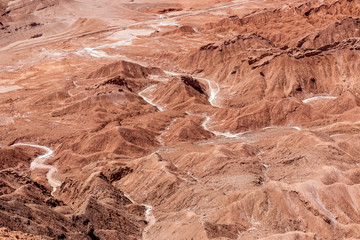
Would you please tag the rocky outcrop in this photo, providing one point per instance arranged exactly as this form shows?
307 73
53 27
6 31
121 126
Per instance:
125 69
251 133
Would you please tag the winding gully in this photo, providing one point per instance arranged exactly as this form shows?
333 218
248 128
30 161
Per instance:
39 163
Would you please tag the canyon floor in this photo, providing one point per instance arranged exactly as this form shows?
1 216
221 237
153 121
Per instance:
210 119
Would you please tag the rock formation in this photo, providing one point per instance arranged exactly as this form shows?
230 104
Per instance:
190 120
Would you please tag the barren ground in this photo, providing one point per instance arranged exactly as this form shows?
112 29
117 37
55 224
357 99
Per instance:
211 119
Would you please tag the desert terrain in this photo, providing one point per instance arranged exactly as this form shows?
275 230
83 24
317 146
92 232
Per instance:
159 119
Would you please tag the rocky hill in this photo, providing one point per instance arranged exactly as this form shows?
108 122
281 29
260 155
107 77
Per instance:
189 120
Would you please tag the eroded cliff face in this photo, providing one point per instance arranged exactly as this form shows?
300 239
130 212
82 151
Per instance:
156 120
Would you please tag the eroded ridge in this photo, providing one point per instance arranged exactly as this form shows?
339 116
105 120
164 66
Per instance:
180 120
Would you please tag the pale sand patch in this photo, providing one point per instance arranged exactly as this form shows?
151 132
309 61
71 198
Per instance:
4 120
5 89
